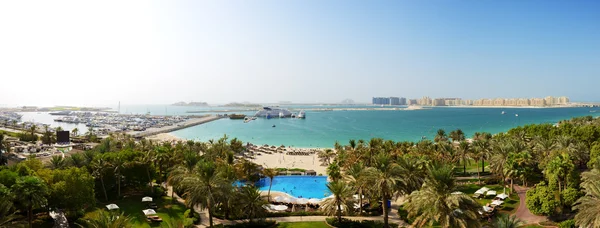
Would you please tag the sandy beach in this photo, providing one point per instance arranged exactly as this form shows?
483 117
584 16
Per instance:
164 137
281 160
275 160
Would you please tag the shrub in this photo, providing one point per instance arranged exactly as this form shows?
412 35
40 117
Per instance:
347 223
567 224
569 196
542 200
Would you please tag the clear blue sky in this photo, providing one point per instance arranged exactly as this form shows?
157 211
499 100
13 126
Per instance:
301 51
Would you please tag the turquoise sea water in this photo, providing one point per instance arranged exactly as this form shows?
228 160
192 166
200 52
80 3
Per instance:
324 128
298 186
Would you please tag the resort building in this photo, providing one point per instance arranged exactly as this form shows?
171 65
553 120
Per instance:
537 102
563 100
413 102
425 101
523 102
439 102
499 102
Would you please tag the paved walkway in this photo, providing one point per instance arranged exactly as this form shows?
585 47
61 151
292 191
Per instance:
523 212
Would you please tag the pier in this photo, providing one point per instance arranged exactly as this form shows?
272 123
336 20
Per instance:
189 123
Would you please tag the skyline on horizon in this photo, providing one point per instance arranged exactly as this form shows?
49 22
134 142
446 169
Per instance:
151 52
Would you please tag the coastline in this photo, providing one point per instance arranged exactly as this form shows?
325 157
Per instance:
275 160
520 107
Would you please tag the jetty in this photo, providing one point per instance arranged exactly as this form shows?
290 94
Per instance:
193 121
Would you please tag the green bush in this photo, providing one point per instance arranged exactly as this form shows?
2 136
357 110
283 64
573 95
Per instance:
347 223
542 200
569 196
567 224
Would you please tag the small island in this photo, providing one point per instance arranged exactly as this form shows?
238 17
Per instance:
190 104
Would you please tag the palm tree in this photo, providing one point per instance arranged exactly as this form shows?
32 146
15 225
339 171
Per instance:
32 129
3 160
341 200
14 123
385 177
326 155
588 206
334 172
498 160
506 221
118 164
457 135
440 136
98 168
355 175
202 186
252 203
76 160
75 132
108 220
437 201
6 204
270 173
57 162
32 194
464 150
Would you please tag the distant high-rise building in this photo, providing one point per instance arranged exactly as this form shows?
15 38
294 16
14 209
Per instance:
381 100
394 101
413 102
402 101
438 102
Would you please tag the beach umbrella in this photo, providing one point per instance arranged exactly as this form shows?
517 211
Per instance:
356 206
456 193
485 189
147 199
291 200
314 201
487 209
149 212
497 202
112 207
302 201
479 192
490 193
280 207
280 199
502 196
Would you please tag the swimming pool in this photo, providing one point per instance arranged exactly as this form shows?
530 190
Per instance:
298 186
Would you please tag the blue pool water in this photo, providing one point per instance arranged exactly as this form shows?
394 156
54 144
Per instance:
298 186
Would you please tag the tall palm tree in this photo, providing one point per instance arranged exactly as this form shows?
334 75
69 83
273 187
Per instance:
202 187
588 206
75 132
506 221
99 166
14 123
341 202
356 176
32 194
498 160
32 129
560 167
326 155
438 202
7 217
440 136
457 135
270 173
118 164
108 220
464 151
3 160
334 171
385 177
252 203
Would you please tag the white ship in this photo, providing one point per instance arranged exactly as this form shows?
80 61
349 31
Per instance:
301 115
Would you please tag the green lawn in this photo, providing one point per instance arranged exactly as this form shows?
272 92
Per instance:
472 167
133 207
510 205
302 225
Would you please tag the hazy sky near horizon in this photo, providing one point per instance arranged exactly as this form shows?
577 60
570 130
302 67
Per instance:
159 52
